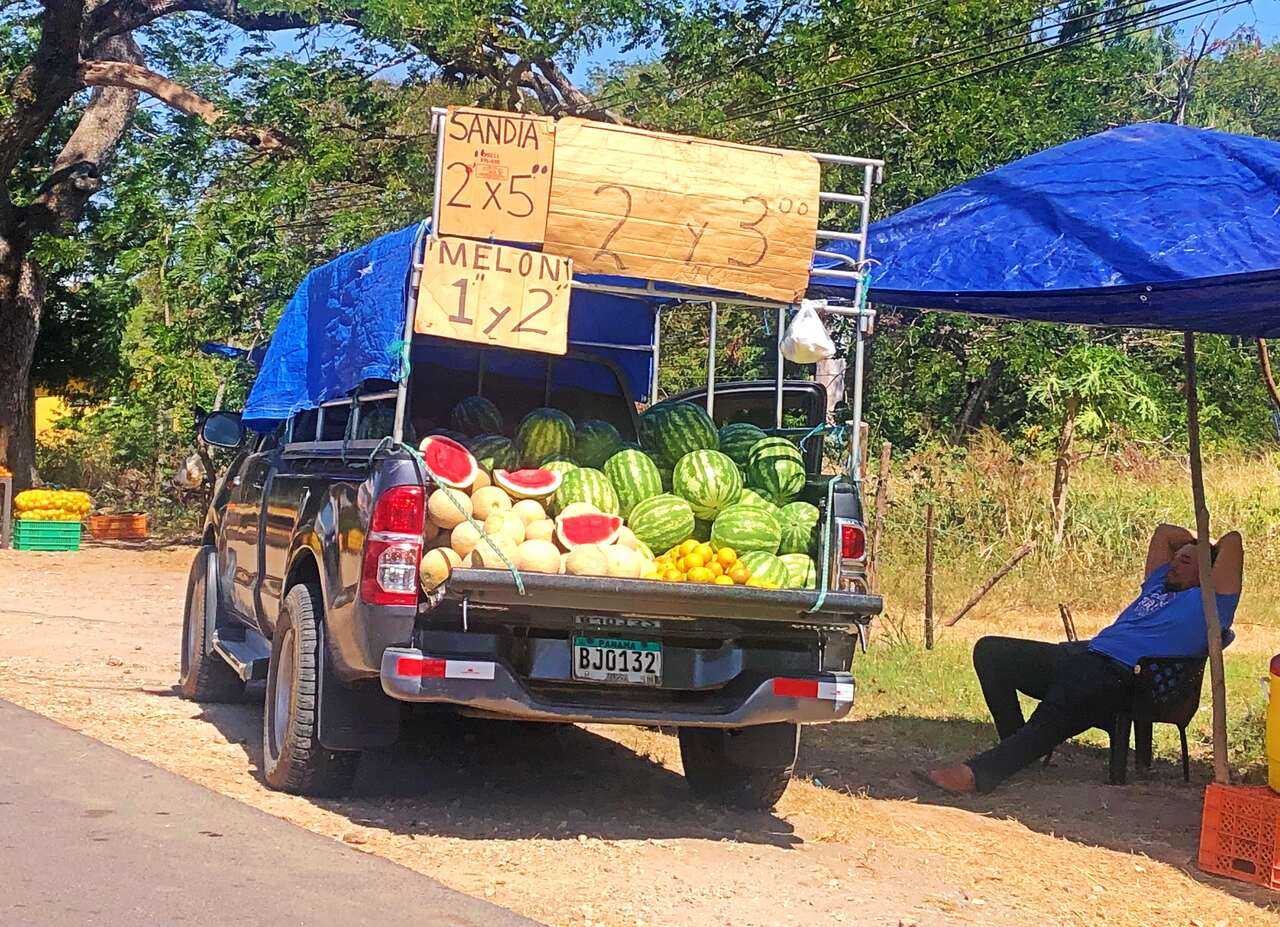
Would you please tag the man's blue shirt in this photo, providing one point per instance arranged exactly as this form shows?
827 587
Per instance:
1161 623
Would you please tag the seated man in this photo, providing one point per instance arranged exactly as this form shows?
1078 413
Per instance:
1081 683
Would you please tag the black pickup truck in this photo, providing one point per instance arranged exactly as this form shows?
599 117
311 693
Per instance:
307 579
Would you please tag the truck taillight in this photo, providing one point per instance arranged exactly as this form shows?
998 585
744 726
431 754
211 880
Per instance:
853 541
393 548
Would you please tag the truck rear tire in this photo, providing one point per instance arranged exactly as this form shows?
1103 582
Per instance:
204 677
293 759
746 767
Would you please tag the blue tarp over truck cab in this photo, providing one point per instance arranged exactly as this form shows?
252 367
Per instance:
1146 226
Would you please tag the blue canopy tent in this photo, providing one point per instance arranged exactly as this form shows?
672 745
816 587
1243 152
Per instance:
1146 226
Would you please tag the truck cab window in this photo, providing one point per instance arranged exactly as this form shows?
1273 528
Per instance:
303 427
333 425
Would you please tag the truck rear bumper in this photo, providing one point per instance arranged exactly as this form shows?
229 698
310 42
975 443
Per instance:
488 688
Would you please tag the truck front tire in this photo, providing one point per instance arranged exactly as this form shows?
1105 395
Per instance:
744 767
205 676
293 759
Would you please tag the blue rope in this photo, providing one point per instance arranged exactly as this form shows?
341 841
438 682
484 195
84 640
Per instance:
825 569
400 349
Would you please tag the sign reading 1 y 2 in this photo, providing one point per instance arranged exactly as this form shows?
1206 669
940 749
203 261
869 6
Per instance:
493 294
495 175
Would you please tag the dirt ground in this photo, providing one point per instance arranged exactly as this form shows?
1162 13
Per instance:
593 825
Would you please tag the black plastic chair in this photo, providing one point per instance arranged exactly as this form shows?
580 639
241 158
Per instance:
1166 691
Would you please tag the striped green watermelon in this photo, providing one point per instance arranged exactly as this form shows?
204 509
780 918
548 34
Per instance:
670 430
476 415
802 573
661 521
544 433
737 439
595 442
494 452
765 567
634 477
799 527
750 497
561 465
746 527
701 529
709 480
589 485
776 469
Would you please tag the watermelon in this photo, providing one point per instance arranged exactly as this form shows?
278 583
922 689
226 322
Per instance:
587 528
661 521
709 480
559 465
799 522
751 497
765 567
542 434
737 439
527 484
494 452
701 529
595 442
746 528
634 477
449 433
802 573
448 462
588 485
670 430
476 415
776 469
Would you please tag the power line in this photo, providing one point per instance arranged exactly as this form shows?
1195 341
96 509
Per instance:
1111 30
1026 30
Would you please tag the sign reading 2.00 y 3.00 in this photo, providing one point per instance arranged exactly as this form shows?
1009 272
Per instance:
495 175
496 295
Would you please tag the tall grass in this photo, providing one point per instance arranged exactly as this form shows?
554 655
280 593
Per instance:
988 501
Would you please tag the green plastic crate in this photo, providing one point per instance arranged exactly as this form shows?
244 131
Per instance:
46 535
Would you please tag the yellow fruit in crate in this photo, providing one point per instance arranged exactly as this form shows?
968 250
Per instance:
723 581
706 552
688 547
716 569
739 574
692 562
673 576
726 557
700 575
651 574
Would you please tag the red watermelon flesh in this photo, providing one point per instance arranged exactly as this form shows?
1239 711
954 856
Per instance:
527 484
588 528
448 462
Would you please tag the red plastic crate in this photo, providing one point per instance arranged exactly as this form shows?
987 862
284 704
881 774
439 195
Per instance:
1240 834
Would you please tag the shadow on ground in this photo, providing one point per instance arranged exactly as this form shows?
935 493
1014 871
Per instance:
1158 815
476 779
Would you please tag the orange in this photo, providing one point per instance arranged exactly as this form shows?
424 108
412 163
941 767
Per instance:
727 557
700 575
716 569
688 546
739 574
706 551
673 576
693 561
723 581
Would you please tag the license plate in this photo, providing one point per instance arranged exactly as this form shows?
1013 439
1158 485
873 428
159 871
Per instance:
611 659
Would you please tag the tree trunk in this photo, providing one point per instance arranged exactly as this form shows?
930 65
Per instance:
1062 469
975 406
21 296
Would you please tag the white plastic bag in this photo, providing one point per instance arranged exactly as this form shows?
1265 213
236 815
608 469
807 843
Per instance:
806 340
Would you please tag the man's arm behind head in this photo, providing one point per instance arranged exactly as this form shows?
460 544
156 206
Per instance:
1228 564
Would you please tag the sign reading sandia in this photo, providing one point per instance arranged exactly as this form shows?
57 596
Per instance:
495 175
495 295
686 210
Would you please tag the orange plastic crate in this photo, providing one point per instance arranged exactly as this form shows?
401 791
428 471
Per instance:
131 527
1240 834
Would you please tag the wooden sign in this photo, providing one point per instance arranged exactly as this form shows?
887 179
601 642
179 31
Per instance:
686 210
492 294
495 175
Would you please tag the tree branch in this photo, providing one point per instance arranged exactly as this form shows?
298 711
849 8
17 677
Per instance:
136 77
117 16
572 100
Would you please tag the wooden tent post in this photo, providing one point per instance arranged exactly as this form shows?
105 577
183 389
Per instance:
1213 626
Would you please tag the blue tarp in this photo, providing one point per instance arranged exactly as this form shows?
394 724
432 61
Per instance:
1145 226
344 322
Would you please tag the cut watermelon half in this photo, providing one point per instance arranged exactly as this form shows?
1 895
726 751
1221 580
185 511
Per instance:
527 484
448 462
587 528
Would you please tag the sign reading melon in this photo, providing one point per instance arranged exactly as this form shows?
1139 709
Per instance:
495 178
685 210
494 295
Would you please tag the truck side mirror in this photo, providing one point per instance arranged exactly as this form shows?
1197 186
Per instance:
222 429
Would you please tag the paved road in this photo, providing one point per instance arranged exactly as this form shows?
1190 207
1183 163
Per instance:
92 836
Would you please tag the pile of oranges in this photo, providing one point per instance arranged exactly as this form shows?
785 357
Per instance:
695 561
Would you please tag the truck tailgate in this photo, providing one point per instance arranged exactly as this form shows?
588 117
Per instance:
653 599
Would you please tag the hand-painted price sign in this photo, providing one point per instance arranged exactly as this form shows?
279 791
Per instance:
495 175
686 210
491 294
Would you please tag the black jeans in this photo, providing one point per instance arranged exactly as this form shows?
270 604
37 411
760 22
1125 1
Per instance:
1077 690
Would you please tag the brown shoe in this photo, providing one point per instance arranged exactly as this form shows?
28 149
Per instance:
957 780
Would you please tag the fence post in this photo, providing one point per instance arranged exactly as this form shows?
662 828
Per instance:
928 577
882 500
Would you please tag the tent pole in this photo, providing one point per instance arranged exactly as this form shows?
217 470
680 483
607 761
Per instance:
1213 626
